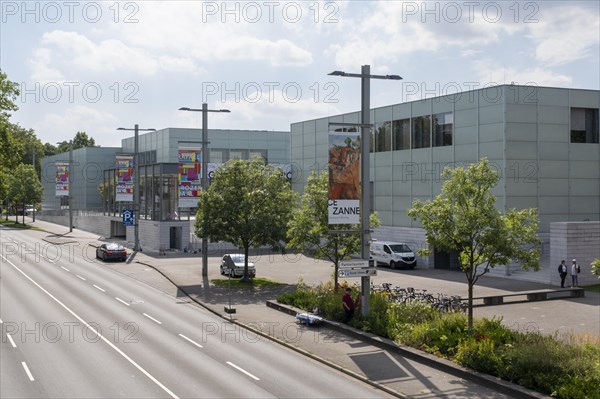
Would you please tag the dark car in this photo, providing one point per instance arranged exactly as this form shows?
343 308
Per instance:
112 251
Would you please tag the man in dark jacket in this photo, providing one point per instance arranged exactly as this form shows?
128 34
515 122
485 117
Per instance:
562 270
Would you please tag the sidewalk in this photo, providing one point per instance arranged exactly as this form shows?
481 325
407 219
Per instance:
179 275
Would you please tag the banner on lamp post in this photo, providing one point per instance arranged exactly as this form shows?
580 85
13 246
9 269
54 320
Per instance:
344 177
62 179
189 176
124 184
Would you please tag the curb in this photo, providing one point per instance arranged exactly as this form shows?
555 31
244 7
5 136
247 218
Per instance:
441 364
284 343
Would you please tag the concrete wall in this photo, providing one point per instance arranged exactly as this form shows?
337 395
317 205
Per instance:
95 224
579 240
156 235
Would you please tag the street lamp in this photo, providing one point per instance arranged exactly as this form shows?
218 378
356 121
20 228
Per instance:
205 150
136 183
71 179
365 188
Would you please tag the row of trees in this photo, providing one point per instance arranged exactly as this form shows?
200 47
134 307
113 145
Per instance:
21 152
251 204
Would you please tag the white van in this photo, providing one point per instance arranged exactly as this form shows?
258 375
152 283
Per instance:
393 254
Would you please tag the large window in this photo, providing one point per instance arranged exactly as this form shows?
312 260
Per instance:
383 136
218 155
584 125
442 129
401 129
421 132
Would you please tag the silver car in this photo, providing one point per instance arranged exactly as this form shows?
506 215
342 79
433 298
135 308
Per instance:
233 265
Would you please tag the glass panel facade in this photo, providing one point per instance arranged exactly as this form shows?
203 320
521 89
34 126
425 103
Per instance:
584 125
401 128
238 154
383 137
442 129
218 155
421 132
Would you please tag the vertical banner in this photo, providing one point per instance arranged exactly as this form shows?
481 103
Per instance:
124 172
62 179
344 178
190 175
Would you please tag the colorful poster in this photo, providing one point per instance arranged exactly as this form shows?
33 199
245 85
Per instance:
344 178
124 173
62 179
190 176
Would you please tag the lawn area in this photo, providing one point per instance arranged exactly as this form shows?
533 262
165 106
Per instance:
592 288
258 282
11 224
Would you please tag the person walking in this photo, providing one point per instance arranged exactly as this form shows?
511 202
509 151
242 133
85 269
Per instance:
349 305
562 271
575 270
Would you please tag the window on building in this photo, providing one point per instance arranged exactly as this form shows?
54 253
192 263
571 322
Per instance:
238 154
584 125
442 129
218 155
421 132
258 153
401 130
383 136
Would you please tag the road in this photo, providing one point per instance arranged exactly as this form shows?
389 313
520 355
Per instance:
72 327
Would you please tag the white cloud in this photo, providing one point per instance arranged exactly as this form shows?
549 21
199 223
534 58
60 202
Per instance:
490 73
41 71
565 34
100 125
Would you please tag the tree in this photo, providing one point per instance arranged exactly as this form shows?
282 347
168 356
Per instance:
463 218
596 267
248 204
8 94
309 229
25 186
81 140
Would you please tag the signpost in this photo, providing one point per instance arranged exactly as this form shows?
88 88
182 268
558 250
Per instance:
362 272
128 218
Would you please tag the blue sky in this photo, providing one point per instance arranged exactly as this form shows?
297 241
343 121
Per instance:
96 66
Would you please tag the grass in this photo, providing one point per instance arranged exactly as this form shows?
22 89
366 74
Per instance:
257 282
592 288
11 224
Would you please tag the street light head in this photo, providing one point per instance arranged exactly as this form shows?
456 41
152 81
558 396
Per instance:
224 110
121 128
184 109
394 77
337 73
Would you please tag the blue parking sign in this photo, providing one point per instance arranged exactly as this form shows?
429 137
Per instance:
128 218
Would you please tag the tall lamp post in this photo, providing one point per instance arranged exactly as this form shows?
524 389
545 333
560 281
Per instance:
365 187
136 183
71 178
205 112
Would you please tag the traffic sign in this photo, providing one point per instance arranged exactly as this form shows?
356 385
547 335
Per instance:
128 217
354 263
362 272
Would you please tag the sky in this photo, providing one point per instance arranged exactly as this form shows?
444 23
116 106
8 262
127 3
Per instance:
97 66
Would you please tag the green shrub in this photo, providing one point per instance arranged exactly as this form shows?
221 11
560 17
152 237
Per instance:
481 354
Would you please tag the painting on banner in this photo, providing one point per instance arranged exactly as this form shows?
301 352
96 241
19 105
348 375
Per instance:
124 172
190 176
344 176
62 179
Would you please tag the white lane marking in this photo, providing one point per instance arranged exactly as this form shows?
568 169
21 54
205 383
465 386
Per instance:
1 321
102 337
82 278
186 338
122 301
51 261
65 269
243 371
27 371
11 341
101 289
152 318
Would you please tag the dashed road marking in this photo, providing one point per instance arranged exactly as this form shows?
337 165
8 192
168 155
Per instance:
152 318
243 371
186 338
122 301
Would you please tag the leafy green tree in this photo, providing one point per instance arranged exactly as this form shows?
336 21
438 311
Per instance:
8 94
81 140
8 157
26 143
596 267
464 218
309 229
25 186
248 204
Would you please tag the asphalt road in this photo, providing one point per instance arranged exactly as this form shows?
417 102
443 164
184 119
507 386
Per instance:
73 328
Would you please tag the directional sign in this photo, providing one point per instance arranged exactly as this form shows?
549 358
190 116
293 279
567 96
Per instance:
128 217
363 272
354 263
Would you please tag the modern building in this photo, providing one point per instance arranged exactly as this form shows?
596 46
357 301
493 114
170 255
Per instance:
163 223
543 141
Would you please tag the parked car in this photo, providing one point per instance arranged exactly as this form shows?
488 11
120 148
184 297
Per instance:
233 265
393 254
111 251
29 210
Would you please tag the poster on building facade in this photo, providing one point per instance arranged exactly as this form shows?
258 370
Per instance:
344 178
124 173
62 179
190 176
